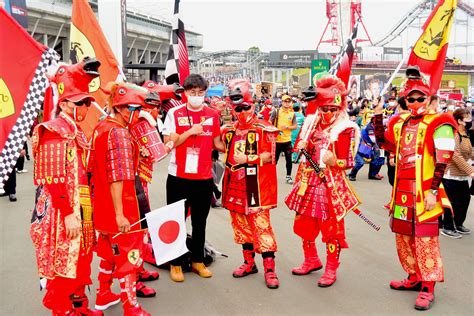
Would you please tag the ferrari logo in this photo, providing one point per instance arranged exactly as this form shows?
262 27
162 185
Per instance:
228 137
7 107
331 248
404 198
81 47
144 139
49 180
251 137
408 138
337 99
340 163
436 34
133 256
61 87
240 147
403 213
70 154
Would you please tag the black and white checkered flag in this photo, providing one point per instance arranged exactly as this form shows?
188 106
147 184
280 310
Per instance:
33 103
343 63
177 65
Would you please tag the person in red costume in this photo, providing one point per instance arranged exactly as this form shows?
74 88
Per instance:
423 143
61 229
249 184
322 198
115 196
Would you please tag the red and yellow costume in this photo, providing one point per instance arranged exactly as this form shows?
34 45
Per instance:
322 200
61 153
116 160
423 143
250 188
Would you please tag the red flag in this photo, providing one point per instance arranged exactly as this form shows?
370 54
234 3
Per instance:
23 81
429 52
87 39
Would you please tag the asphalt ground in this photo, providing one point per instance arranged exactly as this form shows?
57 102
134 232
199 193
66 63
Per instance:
361 288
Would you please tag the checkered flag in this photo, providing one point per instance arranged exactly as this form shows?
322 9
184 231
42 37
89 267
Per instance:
23 83
177 65
343 63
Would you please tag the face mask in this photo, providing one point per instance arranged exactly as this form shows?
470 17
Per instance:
195 101
328 117
244 117
391 103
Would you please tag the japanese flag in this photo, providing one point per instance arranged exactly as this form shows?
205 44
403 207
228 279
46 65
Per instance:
167 228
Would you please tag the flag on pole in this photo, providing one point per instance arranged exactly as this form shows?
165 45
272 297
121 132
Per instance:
343 64
23 81
429 52
88 40
167 228
177 65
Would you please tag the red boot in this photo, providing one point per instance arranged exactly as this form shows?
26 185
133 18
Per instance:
145 275
409 284
105 297
329 276
248 267
128 297
271 278
148 255
145 291
333 249
81 306
426 297
311 260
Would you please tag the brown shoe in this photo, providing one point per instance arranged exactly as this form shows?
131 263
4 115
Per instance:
176 273
201 269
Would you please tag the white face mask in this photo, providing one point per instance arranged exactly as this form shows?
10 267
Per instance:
195 101
391 103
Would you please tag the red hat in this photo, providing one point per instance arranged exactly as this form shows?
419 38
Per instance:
132 95
165 92
240 92
416 81
268 102
73 81
330 90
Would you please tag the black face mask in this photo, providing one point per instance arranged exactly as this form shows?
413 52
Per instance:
468 125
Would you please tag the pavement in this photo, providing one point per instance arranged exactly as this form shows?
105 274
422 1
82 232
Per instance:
361 288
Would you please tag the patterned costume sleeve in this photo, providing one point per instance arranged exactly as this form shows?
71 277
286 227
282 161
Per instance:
120 156
344 148
444 146
50 167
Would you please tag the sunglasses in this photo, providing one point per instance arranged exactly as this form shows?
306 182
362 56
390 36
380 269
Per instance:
134 108
239 109
287 101
86 102
413 100
328 109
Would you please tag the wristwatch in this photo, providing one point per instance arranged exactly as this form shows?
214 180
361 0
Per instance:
434 192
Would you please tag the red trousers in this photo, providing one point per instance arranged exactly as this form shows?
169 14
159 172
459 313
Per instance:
308 228
60 290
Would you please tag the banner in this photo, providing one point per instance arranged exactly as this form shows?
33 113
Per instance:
87 39
429 52
23 82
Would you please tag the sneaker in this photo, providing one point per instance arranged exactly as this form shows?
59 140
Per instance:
376 177
12 197
450 233
463 230
351 178
289 180
106 299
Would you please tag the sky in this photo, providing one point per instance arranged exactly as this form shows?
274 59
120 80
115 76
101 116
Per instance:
275 25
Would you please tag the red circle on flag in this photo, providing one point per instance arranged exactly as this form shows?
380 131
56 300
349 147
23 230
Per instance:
168 231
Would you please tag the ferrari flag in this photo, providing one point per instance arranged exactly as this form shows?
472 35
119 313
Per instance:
429 52
88 40
23 81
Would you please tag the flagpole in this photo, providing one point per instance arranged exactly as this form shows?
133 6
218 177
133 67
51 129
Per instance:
97 106
385 88
130 227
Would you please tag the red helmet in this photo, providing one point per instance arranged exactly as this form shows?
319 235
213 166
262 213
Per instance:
416 81
72 81
330 90
165 92
239 92
122 93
